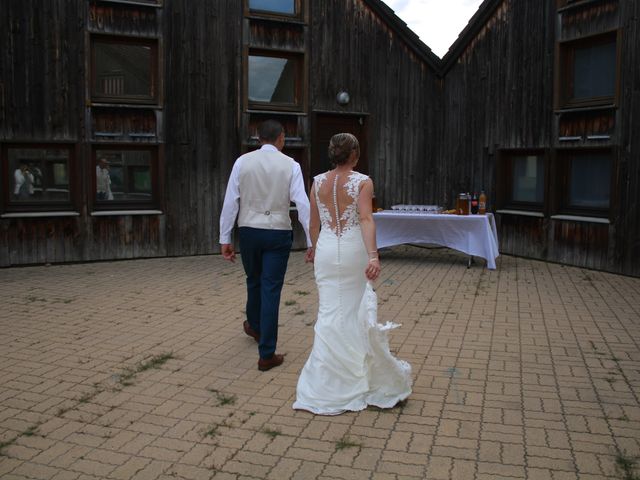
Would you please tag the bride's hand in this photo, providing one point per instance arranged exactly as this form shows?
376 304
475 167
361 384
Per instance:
373 269
310 255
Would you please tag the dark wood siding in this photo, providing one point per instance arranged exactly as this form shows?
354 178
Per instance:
354 50
71 239
42 66
201 118
499 94
579 243
526 235
433 128
43 82
627 227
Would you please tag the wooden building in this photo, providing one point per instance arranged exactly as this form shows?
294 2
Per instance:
120 119
541 101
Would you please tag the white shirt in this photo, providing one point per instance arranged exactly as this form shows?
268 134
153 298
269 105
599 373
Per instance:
231 203
103 182
20 178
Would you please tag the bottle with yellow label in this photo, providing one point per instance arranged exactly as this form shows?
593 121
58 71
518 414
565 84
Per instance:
482 203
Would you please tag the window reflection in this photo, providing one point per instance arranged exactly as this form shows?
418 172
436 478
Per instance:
276 6
123 70
590 181
272 79
123 175
528 179
39 174
594 71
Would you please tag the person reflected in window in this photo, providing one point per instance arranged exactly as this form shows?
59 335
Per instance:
23 189
37 180
103 180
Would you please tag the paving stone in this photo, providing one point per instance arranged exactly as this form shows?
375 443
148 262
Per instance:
510 373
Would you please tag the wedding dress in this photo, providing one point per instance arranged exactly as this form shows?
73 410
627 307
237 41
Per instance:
350 365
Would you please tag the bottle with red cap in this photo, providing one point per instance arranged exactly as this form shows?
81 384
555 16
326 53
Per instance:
474 204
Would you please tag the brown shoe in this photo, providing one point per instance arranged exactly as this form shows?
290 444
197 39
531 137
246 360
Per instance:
268 364
251 332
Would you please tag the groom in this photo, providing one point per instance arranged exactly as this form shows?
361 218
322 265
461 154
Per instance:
261 187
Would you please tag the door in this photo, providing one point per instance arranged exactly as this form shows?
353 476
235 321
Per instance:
328 124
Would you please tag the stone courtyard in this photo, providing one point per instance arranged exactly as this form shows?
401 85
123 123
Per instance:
140 370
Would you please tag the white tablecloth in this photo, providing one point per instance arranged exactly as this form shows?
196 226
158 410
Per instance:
472 234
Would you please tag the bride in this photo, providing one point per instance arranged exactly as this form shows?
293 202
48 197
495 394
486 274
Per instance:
350 365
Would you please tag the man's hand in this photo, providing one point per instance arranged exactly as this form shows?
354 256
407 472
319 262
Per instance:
310 255
228 253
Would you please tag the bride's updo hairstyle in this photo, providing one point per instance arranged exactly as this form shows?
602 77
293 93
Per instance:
340 148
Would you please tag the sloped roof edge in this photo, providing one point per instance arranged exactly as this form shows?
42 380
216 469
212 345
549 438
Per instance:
476 23
406 34
440 66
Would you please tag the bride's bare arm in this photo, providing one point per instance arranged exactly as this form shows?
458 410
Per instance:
314 223
368 228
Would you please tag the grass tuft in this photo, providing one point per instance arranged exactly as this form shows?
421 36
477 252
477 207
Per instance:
155 362
86 397
222 398
62 411
627 466
6 443
125 378
272 432
31 431
346 442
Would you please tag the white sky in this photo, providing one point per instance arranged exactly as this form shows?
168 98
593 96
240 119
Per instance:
436 22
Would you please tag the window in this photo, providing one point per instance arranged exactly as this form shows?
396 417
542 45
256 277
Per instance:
124 70
586 182
522 180
39 176
275 81
287 7
527 180
589 71
590 181
125 177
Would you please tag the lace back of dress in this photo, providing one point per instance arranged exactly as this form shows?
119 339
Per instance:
337 201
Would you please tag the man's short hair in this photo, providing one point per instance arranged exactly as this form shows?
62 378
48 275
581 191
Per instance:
270 130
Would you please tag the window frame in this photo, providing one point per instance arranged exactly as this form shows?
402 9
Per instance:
155 71
562 188
300 12
565 71
300 81
7 205
505 180
117 205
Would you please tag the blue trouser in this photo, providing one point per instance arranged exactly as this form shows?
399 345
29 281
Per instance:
264 256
